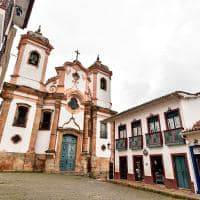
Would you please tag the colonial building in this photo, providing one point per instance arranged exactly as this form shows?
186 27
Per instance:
192 137
55 125
148 143
12 12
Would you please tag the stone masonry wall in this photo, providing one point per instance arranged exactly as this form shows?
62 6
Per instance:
15 162
100 167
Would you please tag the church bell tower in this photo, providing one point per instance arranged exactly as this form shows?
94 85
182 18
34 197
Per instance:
30 67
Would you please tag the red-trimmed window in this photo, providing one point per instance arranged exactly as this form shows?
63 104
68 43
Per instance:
122 131
173 119
136 128
153 124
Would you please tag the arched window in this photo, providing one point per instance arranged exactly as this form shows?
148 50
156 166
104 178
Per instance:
103 84
45 122
34 58
21 114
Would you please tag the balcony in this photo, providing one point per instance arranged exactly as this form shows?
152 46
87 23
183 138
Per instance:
154 139
136 142
173 137
121 144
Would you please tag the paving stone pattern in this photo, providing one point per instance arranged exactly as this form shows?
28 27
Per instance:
38 186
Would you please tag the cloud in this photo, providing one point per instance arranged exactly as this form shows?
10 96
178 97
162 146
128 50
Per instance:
151 46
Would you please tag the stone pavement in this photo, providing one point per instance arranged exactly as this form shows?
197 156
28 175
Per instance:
160 189
41 186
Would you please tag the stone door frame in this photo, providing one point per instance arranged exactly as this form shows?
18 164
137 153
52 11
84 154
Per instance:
79 136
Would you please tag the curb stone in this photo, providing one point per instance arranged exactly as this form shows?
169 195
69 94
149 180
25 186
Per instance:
154 190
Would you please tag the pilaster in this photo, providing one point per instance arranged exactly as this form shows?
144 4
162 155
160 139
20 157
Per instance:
30 155
86 130
94 130
112 146
7 98
53 136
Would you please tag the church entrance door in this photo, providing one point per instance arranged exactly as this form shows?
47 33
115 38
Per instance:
68 153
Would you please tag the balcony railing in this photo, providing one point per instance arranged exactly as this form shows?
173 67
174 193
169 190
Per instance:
136 142
121 144
173 137
154 139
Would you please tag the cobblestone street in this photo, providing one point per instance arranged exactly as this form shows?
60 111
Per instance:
33 186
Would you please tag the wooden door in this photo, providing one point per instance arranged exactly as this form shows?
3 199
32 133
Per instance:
138 168
157 169
182 175
68 153
123 167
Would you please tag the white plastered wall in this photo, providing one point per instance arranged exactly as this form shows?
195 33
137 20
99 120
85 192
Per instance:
43 137
102 141
2 16
10 130
190 108
30 75
103 96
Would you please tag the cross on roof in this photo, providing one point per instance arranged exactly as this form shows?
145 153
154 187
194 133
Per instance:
77 53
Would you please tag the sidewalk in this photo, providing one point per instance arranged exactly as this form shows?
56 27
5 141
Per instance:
161 189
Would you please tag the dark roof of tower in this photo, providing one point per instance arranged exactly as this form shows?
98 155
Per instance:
38 37
99 65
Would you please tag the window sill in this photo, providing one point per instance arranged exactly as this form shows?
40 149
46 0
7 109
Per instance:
42 129
21 126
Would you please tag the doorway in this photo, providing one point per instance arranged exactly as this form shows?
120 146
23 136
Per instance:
181 171
68 153
123 167
138 168
157 169
195 154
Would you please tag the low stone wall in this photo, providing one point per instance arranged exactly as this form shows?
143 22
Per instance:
11 161
100 167
39 162
15 162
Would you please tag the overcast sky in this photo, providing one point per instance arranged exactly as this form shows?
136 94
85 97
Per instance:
152 46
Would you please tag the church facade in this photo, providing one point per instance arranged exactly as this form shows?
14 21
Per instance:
55 125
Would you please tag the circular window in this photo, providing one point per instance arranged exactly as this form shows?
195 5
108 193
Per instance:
103 147
73 103
16 139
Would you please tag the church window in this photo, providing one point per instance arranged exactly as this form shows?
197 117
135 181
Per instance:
45 122
103 84
16 139
73 103
21 114
103 130
34 58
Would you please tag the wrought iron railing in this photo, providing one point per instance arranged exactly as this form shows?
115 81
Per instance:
121 144
136 142
173 137
154 139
